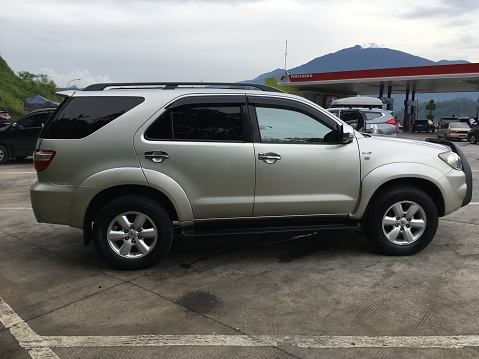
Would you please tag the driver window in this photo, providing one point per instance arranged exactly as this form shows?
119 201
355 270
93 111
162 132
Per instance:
279 125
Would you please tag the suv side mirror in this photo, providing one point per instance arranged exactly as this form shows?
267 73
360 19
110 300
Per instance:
346 133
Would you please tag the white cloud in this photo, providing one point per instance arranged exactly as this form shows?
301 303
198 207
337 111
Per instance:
79 78
219 40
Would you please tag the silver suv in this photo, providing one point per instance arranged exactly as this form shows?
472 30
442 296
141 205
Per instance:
381 119
133 164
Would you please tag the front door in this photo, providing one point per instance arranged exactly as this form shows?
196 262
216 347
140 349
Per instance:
301 167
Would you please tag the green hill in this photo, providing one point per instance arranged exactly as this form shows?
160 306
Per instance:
14 89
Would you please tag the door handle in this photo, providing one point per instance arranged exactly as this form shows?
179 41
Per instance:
156 156
269 157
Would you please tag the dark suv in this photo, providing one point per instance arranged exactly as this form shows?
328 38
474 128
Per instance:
18 140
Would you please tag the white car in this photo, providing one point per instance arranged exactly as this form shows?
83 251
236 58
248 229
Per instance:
454 131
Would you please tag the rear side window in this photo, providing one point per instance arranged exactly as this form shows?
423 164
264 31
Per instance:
79 117
373 115
199 123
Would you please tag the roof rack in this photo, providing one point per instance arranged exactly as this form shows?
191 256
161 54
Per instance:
174 85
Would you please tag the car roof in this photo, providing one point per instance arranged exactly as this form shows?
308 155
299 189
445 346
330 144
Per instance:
356 109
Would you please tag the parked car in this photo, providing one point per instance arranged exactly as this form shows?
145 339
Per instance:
423 126
18 140
445 120
454 131
473 135
383 120
132 164
4 118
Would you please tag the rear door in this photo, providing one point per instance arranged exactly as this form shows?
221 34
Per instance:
301 167
203 143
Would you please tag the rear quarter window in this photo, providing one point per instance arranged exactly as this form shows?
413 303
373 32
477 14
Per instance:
79 117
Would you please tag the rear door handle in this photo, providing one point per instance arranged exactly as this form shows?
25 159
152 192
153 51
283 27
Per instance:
269 157
156 156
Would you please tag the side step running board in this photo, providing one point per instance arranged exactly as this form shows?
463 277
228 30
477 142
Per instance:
189 232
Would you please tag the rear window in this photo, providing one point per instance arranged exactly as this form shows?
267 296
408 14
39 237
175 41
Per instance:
79 117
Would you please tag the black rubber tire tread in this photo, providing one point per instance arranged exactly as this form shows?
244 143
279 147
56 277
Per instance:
382 202
139 204
5 157
473 139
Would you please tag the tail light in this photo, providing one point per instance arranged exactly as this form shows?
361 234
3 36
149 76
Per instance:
42 158
391 122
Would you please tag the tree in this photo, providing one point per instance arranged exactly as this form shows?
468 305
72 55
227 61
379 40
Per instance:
28 76
431 106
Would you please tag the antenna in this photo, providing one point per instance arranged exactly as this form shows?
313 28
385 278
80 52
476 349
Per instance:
285 55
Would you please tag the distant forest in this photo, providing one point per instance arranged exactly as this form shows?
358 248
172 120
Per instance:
458 107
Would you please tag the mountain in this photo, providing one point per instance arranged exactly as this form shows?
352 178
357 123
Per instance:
358 58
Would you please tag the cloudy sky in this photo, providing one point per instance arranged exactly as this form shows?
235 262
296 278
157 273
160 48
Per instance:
220 40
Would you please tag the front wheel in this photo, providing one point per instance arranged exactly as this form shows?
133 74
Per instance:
473 139
132 232
402 221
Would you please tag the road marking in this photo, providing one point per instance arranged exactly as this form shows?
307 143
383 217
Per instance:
40 347
13 208
16 172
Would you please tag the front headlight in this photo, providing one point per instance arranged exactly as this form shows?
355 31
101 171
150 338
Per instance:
452 159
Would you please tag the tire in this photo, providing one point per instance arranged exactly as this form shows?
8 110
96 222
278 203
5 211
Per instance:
123 224
402 221
3 154
473 139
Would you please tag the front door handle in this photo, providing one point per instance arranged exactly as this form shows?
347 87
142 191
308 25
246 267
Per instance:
156 156
269 157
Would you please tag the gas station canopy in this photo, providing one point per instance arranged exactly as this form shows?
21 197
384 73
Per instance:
439 78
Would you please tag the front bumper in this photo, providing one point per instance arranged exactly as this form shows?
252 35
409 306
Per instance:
466 168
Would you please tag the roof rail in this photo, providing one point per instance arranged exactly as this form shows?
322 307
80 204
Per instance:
174 85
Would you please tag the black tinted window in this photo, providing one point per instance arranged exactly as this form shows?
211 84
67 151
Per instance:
81 116
199 123
34 120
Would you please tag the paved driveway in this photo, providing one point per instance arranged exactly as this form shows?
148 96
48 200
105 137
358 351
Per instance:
267 296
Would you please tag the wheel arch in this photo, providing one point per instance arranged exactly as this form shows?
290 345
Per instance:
423 184
109 194
419 175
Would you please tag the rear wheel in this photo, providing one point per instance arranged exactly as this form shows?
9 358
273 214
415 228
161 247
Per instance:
473 138
3 154
402 221
132 232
